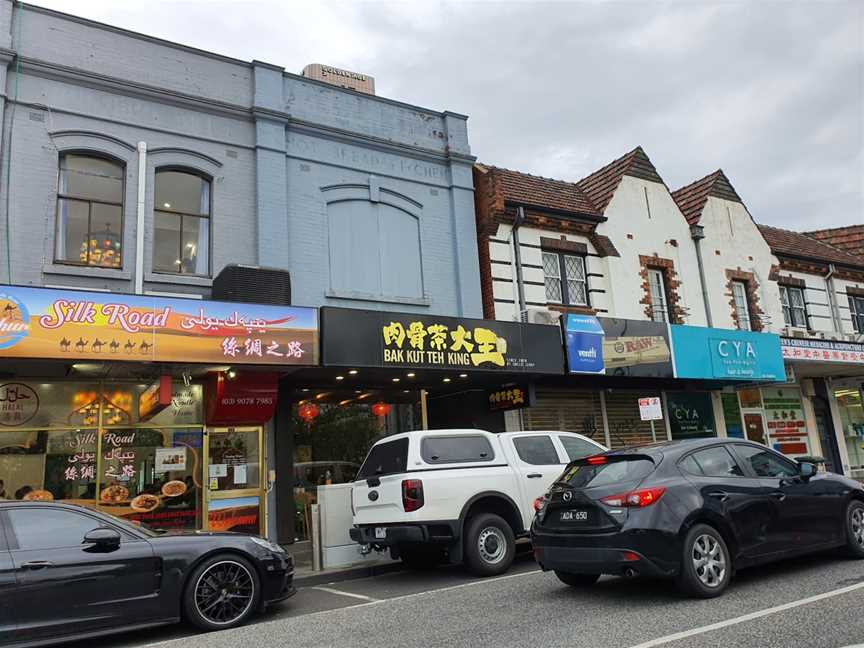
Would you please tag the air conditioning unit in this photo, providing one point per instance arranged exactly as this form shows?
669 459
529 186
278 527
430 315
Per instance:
541 316
798 334
253 284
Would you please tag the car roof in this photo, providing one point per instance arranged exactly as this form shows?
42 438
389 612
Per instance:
680 446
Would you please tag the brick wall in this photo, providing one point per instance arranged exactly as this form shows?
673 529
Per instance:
676 310
752 289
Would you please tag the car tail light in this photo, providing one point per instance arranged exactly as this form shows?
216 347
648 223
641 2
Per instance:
539 503
635 499
597 460
412 494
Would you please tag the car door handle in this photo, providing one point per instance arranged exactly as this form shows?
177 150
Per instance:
778 495
37 564
720 495
534 476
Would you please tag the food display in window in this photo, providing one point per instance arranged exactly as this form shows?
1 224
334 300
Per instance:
145 503
114 494
173 488
39 496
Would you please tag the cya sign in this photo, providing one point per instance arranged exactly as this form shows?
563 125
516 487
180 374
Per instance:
719 354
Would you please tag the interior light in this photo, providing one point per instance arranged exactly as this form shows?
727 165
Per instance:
305 389
396 380
340 377
166 205
446 380
463 375
410 374
352 372
232 374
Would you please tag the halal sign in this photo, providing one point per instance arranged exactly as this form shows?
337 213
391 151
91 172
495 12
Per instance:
18 404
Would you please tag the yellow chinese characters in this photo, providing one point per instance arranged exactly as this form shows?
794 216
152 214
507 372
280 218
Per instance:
489 347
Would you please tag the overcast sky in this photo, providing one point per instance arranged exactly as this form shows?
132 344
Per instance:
771 92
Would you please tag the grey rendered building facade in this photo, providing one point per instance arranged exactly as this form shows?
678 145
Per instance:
367 202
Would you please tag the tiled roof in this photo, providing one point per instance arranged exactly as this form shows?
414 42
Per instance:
801 246
537 191
601 185
849 238
692 198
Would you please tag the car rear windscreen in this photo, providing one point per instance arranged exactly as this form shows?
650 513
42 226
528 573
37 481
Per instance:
615 471
456 449
385 459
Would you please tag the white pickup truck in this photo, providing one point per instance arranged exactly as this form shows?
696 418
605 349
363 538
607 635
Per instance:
466 495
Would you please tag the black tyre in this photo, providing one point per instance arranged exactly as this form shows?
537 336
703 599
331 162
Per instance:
421 558
222 592
855 529
577 580
489 544
706 566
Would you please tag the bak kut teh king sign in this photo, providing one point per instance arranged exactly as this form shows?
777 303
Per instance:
65 324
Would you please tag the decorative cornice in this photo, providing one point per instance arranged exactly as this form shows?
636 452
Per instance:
187 152
93 135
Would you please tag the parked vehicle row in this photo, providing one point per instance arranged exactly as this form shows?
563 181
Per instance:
692 510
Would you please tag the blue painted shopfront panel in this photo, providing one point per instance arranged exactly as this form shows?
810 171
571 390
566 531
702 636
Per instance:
721 354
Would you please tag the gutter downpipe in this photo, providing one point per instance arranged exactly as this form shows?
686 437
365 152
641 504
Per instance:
697 233
517 258
832 302
139 220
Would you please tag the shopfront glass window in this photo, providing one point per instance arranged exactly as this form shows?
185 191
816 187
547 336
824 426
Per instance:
851 408
144 466
333 432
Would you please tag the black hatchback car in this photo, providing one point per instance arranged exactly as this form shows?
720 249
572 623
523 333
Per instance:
693 510
68 572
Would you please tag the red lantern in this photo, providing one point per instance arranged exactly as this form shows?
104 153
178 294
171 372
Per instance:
380 409
308 412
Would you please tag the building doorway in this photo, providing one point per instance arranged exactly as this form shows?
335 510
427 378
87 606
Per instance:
235 493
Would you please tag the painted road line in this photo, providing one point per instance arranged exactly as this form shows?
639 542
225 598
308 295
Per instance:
288 617
331 590
660 641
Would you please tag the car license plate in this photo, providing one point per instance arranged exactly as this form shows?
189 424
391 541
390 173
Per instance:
380 533
574 516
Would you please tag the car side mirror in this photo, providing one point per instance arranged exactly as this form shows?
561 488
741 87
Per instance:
103 538
807 470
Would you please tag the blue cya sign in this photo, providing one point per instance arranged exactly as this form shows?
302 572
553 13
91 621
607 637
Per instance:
721 354
584 344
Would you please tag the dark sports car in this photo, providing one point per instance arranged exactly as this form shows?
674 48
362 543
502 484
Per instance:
692 510
68 572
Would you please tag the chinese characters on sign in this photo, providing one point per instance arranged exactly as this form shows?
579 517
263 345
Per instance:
822 350
18 404
43 323
457 347
510 398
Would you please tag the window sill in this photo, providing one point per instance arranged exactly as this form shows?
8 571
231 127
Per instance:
178 279
361 296
85 271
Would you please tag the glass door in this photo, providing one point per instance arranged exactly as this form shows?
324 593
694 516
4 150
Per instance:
235 480
754 427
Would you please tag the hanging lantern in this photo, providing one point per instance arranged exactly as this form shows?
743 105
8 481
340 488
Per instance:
308 412
103 249
380 409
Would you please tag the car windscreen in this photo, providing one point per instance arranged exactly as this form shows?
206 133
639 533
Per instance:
616 470
385 459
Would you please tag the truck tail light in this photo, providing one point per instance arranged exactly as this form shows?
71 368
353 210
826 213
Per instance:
412 494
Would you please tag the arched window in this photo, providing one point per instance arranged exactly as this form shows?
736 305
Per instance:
374 251
181 222
89 212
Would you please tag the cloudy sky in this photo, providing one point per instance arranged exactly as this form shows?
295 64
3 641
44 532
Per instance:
771 92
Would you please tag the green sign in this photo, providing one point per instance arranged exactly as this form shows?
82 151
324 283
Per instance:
732 415
691 415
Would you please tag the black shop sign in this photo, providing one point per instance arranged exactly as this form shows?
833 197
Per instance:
361 338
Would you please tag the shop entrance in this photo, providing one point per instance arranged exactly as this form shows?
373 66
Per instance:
754 427
235 493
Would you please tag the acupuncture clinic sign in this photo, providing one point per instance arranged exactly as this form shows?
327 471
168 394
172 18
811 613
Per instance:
405 340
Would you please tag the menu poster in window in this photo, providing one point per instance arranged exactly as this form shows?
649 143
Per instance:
784 414
170 459
732 416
